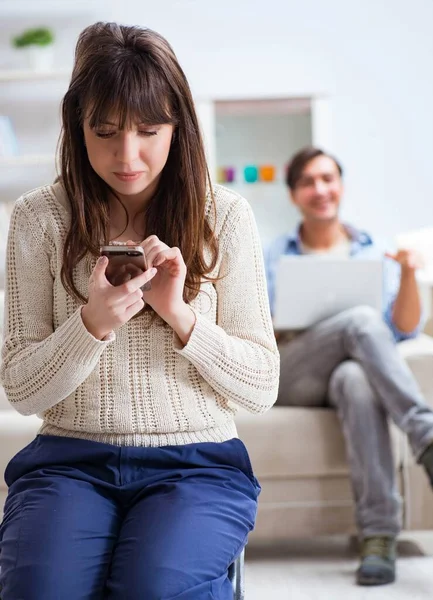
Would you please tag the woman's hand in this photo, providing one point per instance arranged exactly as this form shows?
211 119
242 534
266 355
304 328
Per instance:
166 295
109 307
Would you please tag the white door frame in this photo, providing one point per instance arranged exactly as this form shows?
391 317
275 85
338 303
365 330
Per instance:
321 122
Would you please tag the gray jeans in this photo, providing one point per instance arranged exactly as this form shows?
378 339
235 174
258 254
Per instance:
351 362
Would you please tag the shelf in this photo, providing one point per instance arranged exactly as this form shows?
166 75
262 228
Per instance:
27 75
27 160
249 186
52 8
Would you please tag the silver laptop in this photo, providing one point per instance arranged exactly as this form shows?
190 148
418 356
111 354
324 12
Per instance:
309 289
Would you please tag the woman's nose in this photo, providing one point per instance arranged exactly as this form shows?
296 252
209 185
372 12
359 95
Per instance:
127 149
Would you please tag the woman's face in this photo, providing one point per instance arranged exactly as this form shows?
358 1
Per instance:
130 161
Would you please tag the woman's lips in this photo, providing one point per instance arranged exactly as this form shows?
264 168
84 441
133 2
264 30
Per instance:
129 176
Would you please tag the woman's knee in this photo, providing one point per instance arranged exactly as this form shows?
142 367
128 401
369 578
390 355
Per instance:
24 583
56 540
153 583
47 581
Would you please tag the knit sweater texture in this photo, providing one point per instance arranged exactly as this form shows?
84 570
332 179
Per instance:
141 387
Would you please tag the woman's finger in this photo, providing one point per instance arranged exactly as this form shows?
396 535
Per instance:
153 252
98 274
134 308
149 242
133 285
166 255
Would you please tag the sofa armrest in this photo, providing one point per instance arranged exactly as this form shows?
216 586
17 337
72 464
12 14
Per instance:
418 354
425 287
417 492
16 432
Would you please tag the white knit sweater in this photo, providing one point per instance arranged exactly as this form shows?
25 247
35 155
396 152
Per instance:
143 388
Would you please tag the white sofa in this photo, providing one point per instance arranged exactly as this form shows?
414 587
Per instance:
298 455
16 431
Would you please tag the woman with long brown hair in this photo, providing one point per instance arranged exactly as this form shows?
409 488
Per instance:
136 485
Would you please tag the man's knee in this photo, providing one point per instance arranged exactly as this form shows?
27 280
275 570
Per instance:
348 381
364 315
365 320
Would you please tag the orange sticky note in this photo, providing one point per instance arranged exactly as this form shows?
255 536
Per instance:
267 173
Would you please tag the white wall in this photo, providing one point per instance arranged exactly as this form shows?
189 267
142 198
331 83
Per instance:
373 58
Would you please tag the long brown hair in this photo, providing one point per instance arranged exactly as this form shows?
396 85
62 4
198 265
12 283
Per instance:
134 72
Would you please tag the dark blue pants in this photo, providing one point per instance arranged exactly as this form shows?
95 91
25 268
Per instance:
85 520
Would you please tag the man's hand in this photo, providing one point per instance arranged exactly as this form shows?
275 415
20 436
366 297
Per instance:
409 260
407 307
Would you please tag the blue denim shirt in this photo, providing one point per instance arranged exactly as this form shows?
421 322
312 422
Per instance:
362 246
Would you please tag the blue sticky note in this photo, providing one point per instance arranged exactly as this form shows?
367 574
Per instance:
251 173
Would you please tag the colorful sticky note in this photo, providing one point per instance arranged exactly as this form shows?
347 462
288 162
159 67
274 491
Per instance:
230 174
267 173
251 173
226 174
221 175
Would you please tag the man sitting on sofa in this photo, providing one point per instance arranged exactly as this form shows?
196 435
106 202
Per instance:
350 361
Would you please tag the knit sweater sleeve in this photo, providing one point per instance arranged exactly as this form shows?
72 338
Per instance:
40 366
238 356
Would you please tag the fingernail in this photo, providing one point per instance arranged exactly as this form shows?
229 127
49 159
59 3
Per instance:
101 260
153 271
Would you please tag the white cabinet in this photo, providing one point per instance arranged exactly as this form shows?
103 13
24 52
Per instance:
258 132
31 99
31 102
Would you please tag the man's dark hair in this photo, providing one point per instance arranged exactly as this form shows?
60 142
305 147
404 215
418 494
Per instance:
299 161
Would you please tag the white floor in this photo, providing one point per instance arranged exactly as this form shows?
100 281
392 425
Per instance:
323 569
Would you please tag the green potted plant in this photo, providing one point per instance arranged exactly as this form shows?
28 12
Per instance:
38 45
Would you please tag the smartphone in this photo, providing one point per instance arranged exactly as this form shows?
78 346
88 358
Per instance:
125 263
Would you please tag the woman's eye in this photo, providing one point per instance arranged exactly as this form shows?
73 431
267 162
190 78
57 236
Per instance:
109 134
104 134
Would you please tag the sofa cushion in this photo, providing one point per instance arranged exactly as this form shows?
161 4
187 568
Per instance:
418 353
16 432
5 214
4 404
3 401
2 305
291 442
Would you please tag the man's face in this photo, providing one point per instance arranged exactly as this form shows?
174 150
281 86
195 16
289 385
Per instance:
319 190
